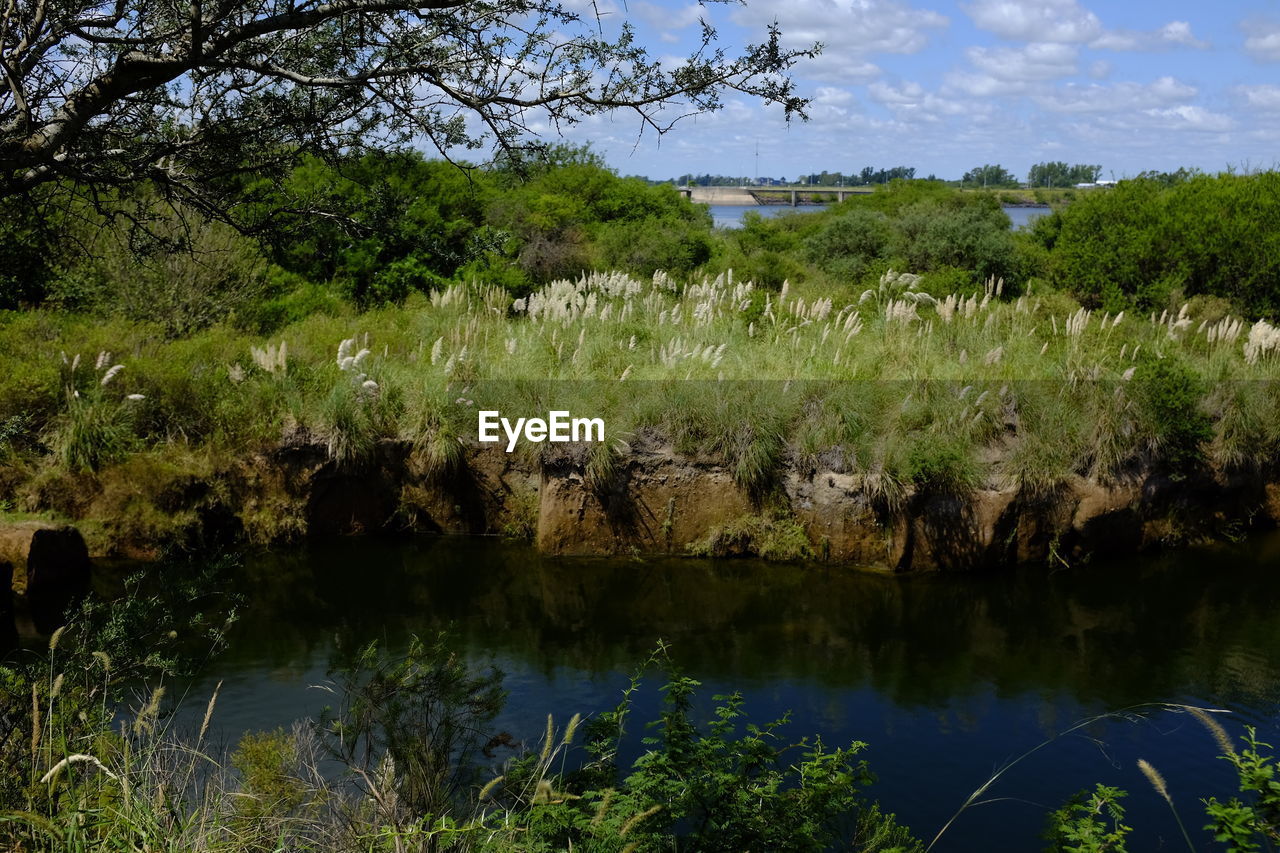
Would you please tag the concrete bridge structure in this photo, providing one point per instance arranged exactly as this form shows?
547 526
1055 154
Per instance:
766 195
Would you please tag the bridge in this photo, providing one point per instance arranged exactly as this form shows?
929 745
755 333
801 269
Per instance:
770 195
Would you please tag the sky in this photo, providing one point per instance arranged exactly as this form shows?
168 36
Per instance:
946 86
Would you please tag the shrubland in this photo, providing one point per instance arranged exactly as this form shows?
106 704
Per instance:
907 336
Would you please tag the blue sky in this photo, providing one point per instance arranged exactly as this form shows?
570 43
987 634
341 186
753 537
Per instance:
945 86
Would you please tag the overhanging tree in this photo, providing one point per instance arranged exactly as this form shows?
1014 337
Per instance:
182 95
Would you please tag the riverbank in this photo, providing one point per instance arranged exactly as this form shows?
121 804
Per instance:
899 430
655 501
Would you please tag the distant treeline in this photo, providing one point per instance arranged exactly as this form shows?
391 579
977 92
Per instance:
1047 174
869 175
399 224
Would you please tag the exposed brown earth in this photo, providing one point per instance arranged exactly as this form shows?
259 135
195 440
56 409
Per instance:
655 501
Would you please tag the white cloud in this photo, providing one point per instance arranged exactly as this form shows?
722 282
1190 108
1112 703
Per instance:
665 18
1264 97
1188 117
909 101
833 96
984 85
1179 32
890 95
1036 61
1064 21
1115 97
1172 34
1263 39
851 31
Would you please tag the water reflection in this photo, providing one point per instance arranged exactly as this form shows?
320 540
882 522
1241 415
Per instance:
1117 634
945 676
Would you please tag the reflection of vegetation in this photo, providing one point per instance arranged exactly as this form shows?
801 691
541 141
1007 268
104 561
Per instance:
398 767
918 641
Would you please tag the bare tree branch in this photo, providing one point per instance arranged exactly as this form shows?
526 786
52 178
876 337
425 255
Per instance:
182 93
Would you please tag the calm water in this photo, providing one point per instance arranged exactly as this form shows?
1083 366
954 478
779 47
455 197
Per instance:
730 216
946 677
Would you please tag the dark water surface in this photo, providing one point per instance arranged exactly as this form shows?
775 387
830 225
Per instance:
946 677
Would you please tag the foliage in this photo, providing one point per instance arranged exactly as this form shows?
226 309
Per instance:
1148 243
97 425
64 702
264 760
409 728
567 220
757 536
726 784
1090 822
869 175
377 226
128 95
1059 174
24 254
181 271
1254 825
920 225
1172 394
989 176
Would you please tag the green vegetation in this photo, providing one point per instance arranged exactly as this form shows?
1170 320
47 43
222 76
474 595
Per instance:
406 760
1059 174
1148 244
988 376
1093 821
989 176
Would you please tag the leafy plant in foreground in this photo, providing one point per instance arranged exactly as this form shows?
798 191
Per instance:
1090 822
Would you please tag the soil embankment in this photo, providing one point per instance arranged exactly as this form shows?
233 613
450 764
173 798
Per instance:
653 500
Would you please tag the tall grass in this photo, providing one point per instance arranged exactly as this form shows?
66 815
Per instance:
953 391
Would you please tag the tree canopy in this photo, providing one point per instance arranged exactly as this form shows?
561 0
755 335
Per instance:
184 95
989 176
1058 174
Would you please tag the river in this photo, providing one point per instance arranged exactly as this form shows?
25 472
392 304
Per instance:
946 677
730 216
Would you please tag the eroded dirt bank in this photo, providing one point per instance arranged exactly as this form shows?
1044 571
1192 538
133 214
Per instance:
649 500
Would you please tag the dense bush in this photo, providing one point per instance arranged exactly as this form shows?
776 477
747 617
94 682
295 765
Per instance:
1149 242
920 226
582 215
418 217
176 270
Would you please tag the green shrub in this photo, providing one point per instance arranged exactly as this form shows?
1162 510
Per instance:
851 240
1090 822
93 432
1143 241
1172 396
969 237
941 464
644 247
266 761
780 540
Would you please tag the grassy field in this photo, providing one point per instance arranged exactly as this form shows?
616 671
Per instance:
892 384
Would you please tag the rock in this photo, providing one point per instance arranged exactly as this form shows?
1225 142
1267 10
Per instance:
657 503
50 567
843 523
965 532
